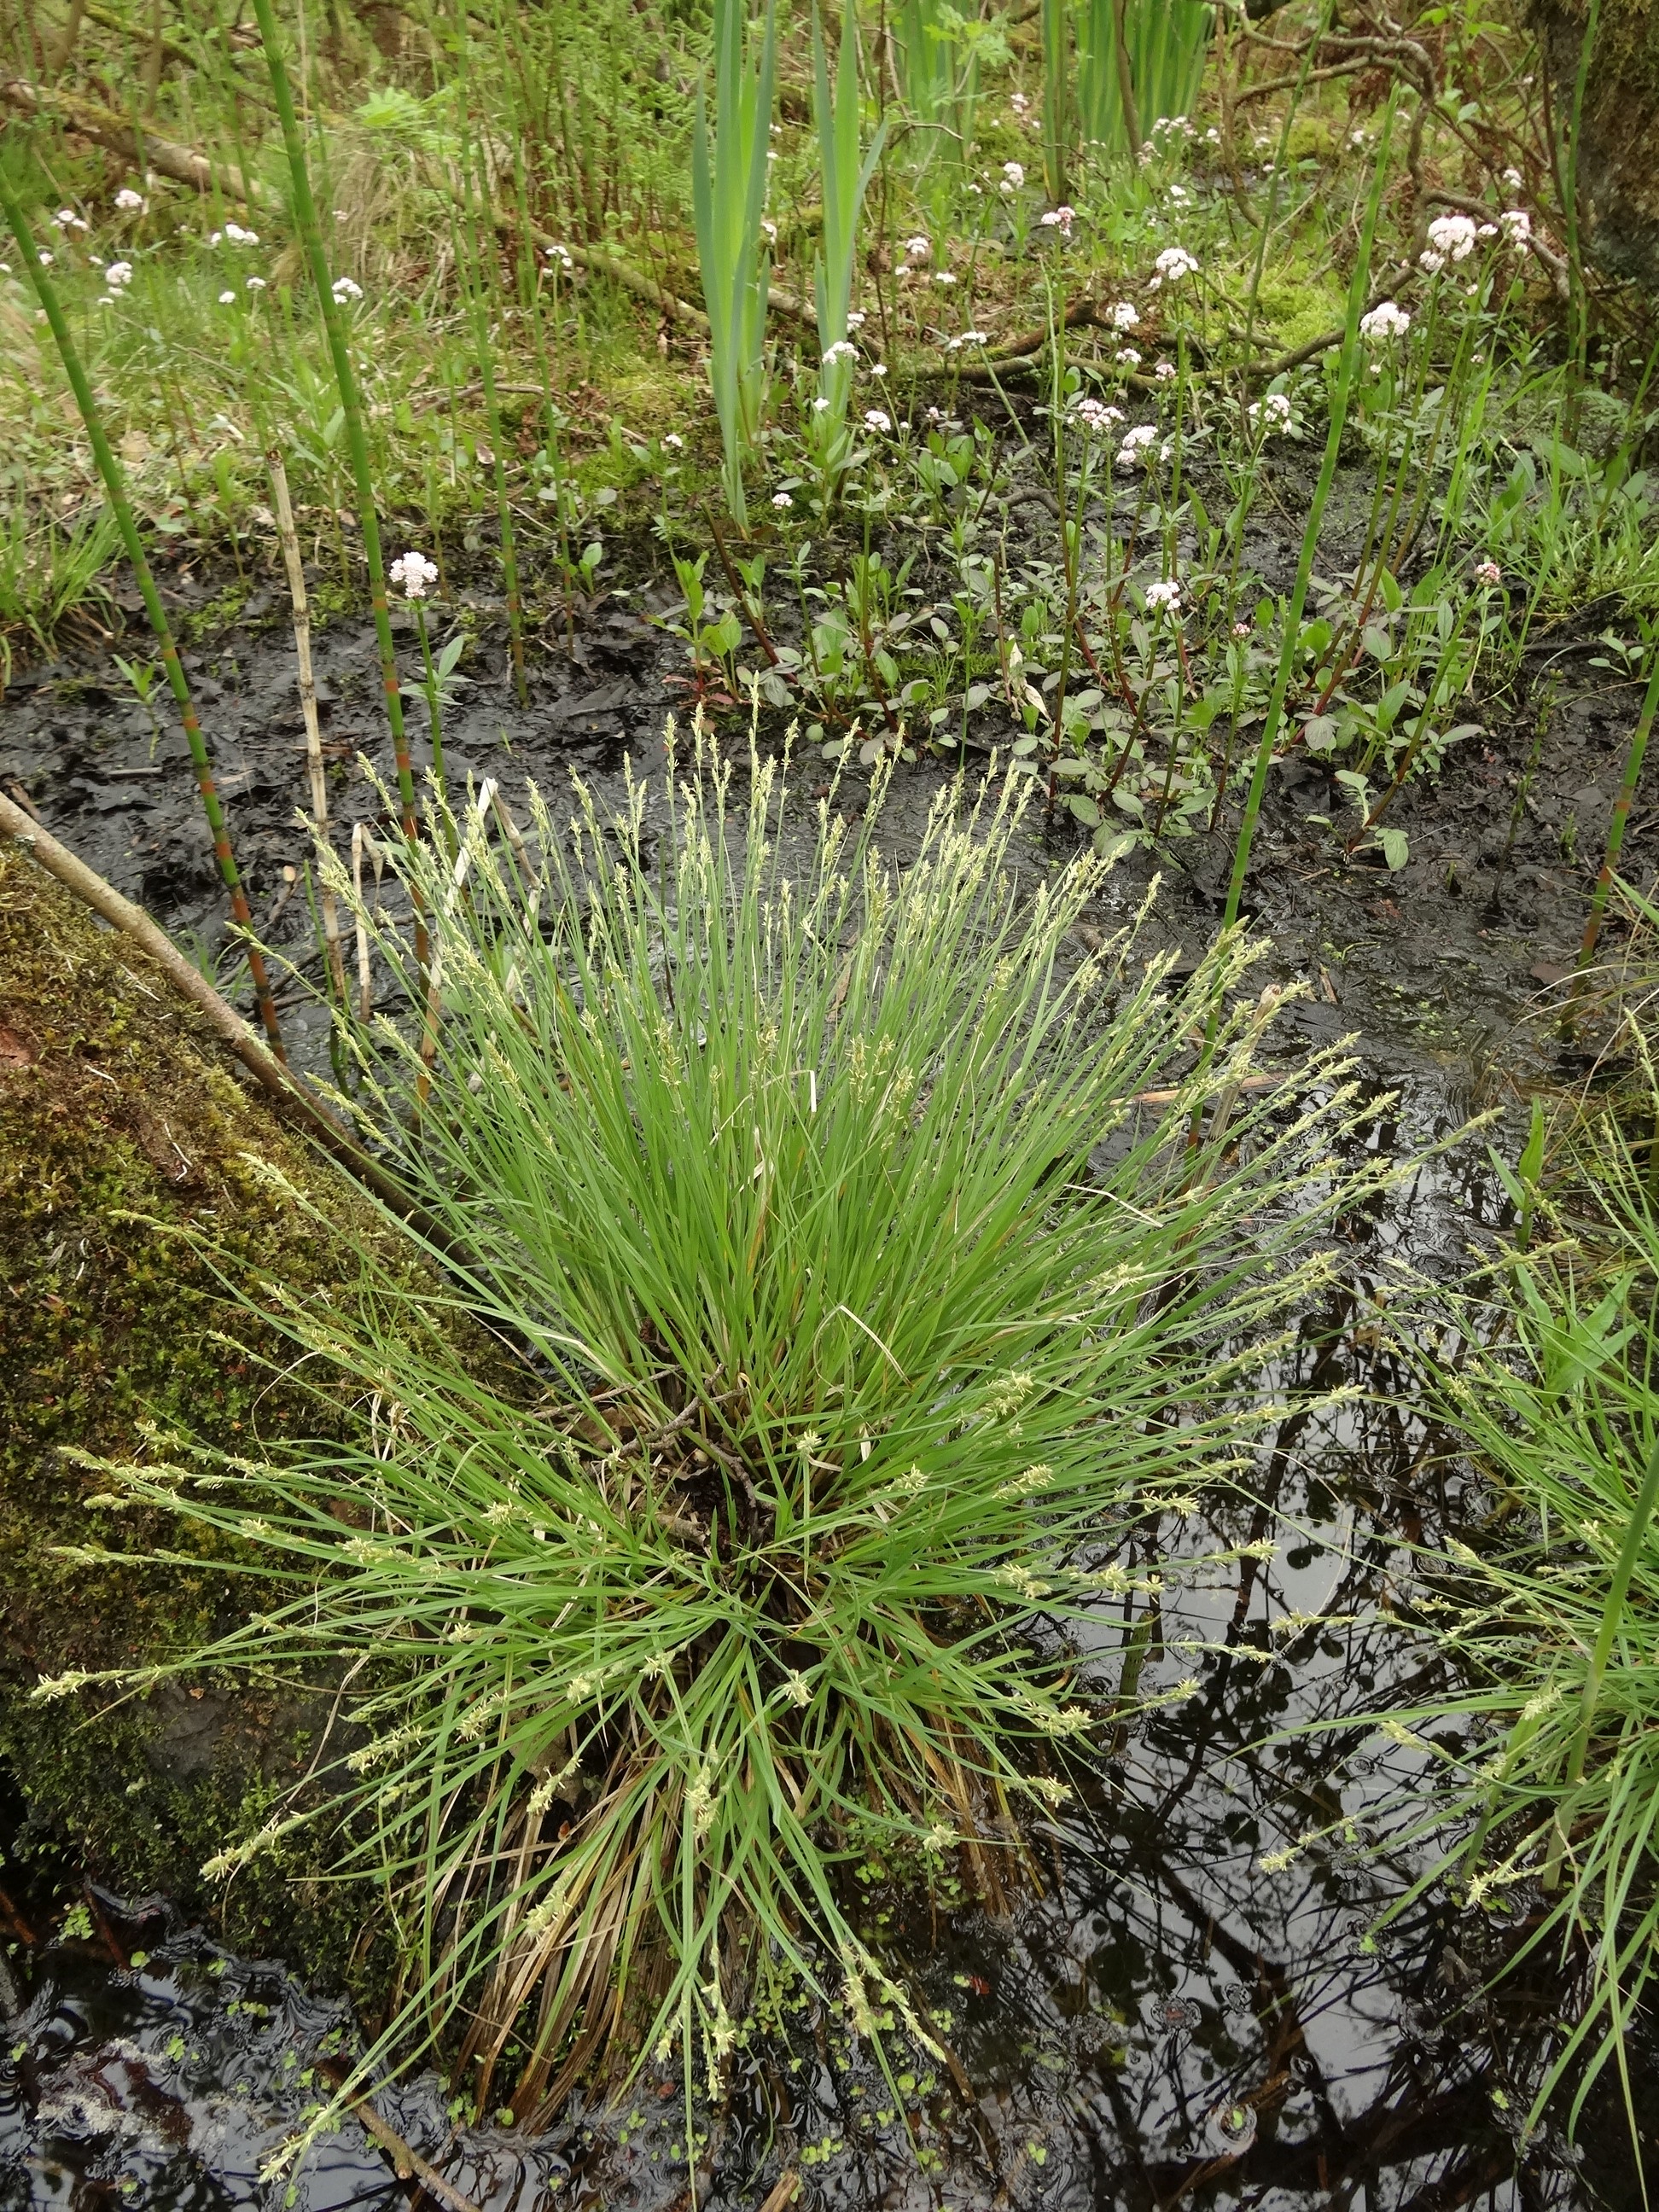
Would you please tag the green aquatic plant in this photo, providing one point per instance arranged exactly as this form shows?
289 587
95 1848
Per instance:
728 199
859 1291
1548 1761
1154 50
845 178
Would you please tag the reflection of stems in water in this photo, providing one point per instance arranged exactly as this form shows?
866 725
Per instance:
1546 712
1141 1638
1633 757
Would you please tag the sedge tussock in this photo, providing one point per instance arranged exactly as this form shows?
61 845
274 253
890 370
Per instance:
855 1309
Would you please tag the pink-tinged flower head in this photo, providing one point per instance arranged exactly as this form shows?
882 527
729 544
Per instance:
1489 573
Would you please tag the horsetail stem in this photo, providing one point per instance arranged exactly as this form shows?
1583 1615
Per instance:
305 212
115 490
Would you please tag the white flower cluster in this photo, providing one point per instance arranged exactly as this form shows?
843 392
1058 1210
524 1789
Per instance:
131 202
1164 597
1451 238
67 219
1013 176
1516 226
345 288
1135 451
1125 317
413 575
842 350
1127 357
1271 414
1385 321
918 250
1094 415
1175 263
561 255
875 419
970 338
1061 218
236 234
119 275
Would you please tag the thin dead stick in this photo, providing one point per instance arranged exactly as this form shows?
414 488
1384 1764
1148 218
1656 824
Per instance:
132 921
407 2162
296 590
359 837
514 835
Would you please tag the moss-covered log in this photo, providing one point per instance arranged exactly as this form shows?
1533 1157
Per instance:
126 1133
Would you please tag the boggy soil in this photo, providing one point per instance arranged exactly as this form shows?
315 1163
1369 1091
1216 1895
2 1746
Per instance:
1438 962
1166 2024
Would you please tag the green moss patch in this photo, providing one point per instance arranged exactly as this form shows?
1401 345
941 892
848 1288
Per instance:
125 1130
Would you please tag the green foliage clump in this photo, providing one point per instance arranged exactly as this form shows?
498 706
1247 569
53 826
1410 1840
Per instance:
1550 1758
877 1264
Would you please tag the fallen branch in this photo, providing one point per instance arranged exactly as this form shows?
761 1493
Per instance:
104 127
407 2162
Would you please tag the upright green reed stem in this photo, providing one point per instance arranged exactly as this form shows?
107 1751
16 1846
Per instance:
1570 197
728 199
311 235
845 178
1056 95
115 490
1633 759
1273 720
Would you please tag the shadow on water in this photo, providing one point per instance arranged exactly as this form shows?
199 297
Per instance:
1195 2008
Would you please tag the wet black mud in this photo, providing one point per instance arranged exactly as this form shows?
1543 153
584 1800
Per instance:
1197 2009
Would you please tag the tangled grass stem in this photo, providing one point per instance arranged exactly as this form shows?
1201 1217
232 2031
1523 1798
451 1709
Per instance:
865 1293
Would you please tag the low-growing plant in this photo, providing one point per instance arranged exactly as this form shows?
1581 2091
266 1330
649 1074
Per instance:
1549 1761
861 1286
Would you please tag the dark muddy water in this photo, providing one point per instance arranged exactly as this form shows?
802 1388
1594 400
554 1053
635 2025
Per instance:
1184 2015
